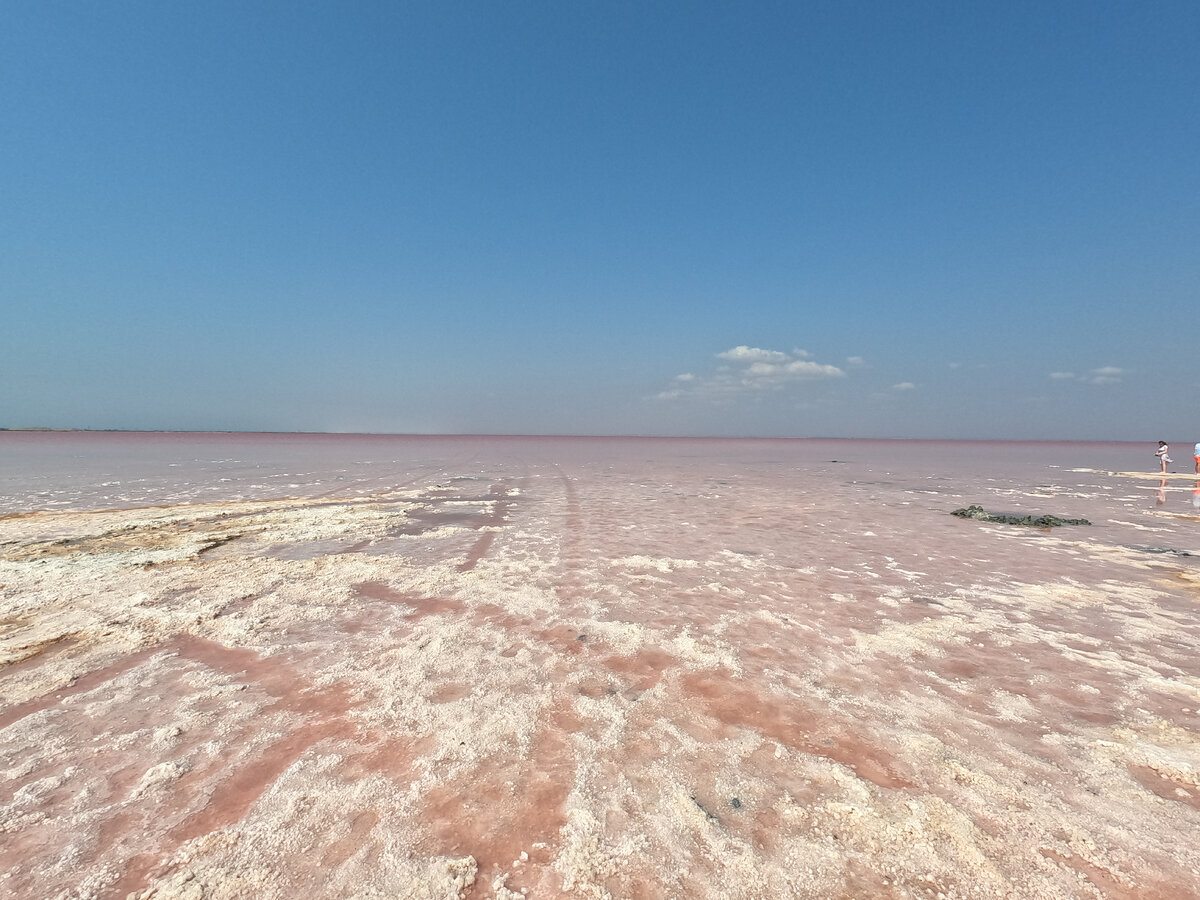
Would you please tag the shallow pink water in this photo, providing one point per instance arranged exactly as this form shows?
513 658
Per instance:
40 470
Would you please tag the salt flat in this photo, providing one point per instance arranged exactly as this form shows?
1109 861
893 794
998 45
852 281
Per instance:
367 667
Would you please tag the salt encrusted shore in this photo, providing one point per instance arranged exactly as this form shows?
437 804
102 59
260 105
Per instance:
636 670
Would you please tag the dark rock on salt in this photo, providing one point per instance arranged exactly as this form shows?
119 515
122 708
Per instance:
978 512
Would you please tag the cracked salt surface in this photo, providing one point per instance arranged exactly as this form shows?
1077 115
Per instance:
447 667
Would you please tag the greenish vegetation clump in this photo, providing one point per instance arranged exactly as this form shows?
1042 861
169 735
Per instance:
978 512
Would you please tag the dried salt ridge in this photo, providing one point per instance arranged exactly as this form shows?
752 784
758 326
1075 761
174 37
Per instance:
631 669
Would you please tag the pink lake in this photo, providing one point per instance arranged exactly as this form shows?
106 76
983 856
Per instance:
371 666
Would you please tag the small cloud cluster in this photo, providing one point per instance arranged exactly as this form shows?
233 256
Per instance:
748 369
1103 375
755 355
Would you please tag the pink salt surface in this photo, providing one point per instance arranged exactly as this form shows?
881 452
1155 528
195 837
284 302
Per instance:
358 666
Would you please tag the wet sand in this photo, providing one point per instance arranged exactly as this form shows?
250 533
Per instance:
352 667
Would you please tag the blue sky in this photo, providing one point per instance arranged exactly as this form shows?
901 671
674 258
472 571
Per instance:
928 219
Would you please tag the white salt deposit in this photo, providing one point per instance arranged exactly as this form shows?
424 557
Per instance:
361 667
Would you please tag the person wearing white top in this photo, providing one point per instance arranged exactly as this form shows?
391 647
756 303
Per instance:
1161 453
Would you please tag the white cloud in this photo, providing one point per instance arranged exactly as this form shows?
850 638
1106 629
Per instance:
855 361
1102 375
804 367
762 370
750 369
742 353
904 386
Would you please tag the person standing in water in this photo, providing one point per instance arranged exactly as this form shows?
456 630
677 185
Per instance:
1161 453
1196 452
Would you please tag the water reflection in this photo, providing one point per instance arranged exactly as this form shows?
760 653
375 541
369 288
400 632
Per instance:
1160 496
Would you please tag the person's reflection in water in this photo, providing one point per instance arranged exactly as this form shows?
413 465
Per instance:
1196 495
1160 496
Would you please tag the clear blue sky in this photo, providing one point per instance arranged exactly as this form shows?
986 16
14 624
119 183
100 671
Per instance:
926 219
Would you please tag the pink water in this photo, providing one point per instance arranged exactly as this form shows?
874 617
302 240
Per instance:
41 470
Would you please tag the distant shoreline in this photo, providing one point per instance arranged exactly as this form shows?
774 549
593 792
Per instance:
564 435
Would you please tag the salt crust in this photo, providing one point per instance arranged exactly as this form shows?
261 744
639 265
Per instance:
961 784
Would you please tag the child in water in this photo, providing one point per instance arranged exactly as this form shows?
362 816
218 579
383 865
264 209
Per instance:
1161 453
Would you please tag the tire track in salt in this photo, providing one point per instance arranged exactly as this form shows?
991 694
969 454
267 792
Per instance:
497 517
570 582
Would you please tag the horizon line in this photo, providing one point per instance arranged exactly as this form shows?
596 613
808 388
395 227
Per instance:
646 436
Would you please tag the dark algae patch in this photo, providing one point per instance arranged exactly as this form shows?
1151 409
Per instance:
978 512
